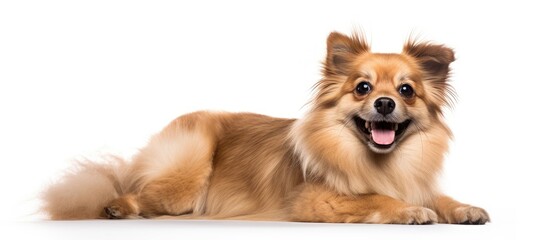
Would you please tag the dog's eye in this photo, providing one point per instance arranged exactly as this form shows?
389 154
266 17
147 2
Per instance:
363 88
406 91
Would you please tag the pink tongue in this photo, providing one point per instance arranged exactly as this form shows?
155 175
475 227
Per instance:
383 137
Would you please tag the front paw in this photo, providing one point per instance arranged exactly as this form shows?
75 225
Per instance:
415 215
470 215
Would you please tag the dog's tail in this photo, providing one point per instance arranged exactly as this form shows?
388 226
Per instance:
83 192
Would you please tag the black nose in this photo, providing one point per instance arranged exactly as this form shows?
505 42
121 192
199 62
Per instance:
384 105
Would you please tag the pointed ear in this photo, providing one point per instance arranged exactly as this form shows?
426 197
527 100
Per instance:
341 51
434 59
435 63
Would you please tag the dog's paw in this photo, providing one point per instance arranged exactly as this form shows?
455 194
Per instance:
470 215
114 212
415 215
121 208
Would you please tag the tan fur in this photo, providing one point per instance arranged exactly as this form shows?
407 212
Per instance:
83 192
318 204
452 211
318 168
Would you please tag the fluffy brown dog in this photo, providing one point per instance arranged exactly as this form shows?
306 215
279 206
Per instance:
369 151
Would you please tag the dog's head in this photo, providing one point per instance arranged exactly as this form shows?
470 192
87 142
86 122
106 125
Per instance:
383 98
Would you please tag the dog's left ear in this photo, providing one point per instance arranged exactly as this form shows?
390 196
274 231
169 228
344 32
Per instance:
435 63
434 59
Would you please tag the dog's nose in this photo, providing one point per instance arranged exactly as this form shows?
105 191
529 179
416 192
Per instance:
384 105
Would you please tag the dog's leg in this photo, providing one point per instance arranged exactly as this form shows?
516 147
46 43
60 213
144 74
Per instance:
177 191
122 207
318 204
452 211
171 174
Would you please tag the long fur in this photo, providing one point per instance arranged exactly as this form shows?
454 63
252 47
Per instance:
216 165
84 191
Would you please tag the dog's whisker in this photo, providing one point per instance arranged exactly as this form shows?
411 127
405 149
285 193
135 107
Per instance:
345 122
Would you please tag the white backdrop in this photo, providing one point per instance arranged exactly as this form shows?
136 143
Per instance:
78 77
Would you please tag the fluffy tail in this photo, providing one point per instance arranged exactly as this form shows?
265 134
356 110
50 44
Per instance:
85 191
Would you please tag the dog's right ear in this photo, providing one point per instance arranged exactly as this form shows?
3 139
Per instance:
341 51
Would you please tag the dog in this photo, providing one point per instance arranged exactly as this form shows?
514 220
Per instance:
368 151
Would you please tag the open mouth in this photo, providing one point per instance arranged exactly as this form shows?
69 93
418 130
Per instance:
380 133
